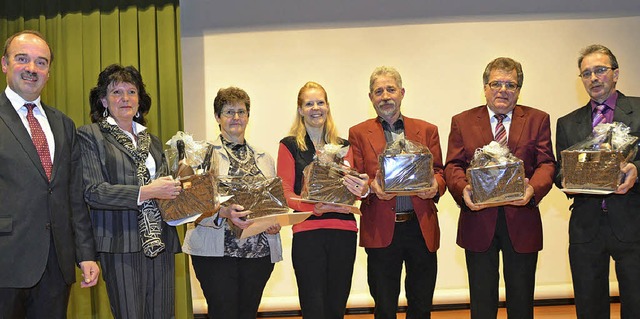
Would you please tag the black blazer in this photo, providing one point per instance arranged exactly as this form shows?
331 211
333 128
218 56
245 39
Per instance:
586 209
33 211
111 191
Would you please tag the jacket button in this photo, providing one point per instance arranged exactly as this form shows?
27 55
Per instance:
47 226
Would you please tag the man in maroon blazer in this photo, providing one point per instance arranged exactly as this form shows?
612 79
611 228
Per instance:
397 229
514 228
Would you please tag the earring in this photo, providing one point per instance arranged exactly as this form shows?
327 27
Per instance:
138 114
106 112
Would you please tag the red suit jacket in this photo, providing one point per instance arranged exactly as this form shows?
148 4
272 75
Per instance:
529 140
378 216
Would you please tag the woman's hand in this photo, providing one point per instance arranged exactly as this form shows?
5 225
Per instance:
359 186
236 214
162 188
274 229
321 208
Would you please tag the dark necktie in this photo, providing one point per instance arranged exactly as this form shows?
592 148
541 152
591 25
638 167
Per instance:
501 133
598 115
39 140
599 118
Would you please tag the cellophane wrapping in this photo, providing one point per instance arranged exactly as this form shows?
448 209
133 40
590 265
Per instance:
594 163
405 166
262 196
323 178
496 175
199 194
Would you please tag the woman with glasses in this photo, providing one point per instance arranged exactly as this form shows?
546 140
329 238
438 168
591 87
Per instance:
233 272
324 245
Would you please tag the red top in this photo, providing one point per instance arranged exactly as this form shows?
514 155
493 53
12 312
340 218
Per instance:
286 171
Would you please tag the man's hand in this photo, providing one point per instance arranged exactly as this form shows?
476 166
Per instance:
378 189
467 193
90 272
528 194
631 174
431 191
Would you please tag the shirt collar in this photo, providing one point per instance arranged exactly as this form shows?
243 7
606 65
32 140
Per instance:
137 127
399 123
492 114
18 102
610 102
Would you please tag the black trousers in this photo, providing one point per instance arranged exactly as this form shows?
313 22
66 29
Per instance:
47 299
484 276
232 286
323 262
384 269
590 271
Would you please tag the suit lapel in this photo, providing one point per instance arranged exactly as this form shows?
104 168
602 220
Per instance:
518 121
482 126
413 131
57 128
111 139
583 123
376 137
156 152
13 122
623 112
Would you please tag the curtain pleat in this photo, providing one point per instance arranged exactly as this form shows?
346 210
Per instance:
86 36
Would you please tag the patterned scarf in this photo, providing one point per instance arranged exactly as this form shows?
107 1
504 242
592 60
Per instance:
149 219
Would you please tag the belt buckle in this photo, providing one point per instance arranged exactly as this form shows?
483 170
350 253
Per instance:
403 217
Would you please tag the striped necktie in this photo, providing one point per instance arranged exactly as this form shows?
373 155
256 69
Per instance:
598 115
500 135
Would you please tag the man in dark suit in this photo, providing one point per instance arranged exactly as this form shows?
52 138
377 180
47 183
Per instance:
44 224
603 226
397 229
514 228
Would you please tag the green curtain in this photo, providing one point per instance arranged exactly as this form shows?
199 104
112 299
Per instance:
86 36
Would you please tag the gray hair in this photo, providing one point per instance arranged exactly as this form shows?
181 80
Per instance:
385 71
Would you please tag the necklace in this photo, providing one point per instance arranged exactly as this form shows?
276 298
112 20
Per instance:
232 154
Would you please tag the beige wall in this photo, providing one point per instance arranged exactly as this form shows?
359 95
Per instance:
441 64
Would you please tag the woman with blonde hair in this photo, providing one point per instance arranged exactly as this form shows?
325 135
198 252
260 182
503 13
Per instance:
324 245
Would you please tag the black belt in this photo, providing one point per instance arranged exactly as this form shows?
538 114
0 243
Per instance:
402 217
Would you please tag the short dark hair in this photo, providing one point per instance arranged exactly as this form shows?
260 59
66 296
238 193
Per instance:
230 95
116 73
598 48
504 64
36 33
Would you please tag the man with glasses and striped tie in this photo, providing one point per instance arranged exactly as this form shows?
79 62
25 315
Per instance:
603 226
516 227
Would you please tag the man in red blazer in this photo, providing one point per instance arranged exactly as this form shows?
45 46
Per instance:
514 228
397 229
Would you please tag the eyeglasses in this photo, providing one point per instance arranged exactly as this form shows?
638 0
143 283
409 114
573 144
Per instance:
509 86
598 71
231 113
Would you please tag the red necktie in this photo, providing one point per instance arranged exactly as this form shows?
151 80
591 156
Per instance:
39 140
501 133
